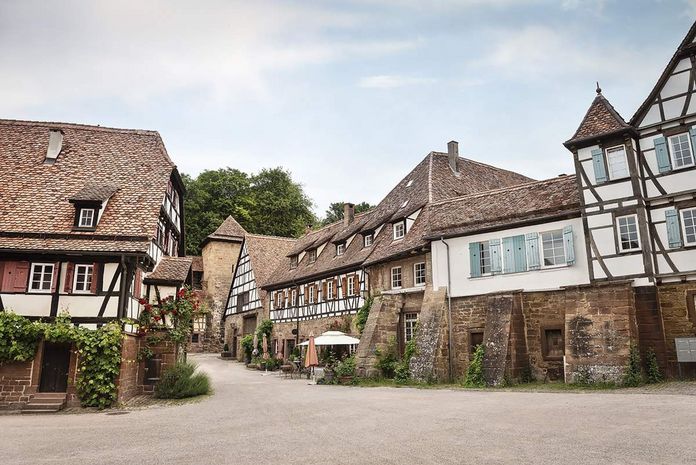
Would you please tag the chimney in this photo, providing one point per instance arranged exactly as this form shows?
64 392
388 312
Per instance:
348 213
308 229
55 144
453 154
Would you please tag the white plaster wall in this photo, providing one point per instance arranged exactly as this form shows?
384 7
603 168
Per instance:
28 304
604 240
79 305
625 265
676 84
109 270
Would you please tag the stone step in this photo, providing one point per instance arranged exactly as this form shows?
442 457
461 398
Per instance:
50 395
44 406
33 412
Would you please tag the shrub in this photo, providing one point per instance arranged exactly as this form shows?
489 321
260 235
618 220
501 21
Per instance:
363 313
247 345
402 371
634 372
270 364
474 374
387 359
346 367
182 380
19 338
654 373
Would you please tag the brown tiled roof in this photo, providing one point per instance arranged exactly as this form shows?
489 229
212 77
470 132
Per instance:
172 270
196 263
601 119
551 198
91 244
229 230
133 165
266 253
431 180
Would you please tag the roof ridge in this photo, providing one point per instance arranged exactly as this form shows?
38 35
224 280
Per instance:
334 223
268 236
82 126
505 189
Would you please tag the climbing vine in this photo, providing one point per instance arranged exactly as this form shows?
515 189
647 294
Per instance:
19 338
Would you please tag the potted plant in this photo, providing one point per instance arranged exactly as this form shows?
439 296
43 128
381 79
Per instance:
226 352
345 370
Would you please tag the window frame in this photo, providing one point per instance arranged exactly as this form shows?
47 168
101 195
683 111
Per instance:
93 218
294 261
541 248
330 291
606 157
402 228
683 225
371 238
312 294
618 233
545 345
412 319
482 267
472 347
670 150
293 298
312 256
350 285
392 275
340 249
88 278
41 280
415 274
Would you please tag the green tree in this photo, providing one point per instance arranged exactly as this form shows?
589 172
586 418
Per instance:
335 211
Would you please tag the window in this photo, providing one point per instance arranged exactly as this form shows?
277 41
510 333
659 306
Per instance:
552 345
340 248
311 294
410 322
242 300
312 255
293 261
87 218
419 274
199 324
330 290
197 280
628 233
41 277
553 248
396 277
83 278
617 162
399 230
475 340
195 338
689 224
682 154
293 298
368 239
350 285
485 257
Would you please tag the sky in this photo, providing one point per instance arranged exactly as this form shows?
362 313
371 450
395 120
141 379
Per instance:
349 96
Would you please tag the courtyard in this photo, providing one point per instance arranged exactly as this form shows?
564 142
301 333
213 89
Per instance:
263 419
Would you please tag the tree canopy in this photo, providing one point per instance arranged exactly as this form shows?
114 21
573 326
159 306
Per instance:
335 211
268 202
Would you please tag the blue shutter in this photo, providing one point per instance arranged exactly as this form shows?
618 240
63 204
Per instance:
520 253
533 251
664 164
600 170
569 246
474 259
508 255
673 231
494 245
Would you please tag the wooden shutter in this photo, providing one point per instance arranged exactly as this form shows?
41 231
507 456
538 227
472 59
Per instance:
344 287
673 230
323 291
664 164
532 242
494 248
54 277
69 273
599 167
15 277
137 287
356 284
569 246
520 253
474 260
508 255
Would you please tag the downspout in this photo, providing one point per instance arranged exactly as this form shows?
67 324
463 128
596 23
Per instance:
449 309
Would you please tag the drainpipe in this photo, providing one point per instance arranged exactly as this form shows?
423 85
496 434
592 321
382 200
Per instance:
449 309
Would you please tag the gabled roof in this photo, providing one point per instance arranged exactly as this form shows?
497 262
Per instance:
170 270
196 263
504 208
601 119
266 254
35 208
229 230
686 47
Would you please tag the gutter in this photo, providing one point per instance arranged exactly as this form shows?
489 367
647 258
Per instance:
449 310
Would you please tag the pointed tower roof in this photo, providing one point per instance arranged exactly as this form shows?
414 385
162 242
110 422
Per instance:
229 231
601 119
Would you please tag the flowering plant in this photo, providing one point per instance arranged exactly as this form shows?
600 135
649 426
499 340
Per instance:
174 315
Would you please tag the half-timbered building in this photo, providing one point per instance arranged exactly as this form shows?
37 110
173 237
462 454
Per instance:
91 220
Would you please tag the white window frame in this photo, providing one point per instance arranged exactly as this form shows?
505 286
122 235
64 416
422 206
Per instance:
368 239
410 319
311 294
330 291
294 261
609 171
312 256
93 218
671 150
400 226
482 269
340 249
41 281
89 271
618 233
540 247
401 277
683 224
293 298
350 285
415 274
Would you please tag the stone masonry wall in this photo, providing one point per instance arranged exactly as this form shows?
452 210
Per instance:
15 382
543 310
129 381
678 319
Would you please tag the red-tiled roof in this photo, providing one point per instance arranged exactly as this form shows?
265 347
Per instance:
170 270
601 119
229 230
266 253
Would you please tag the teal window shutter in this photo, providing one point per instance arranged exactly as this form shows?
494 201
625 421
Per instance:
532 240
600 170
673 231
494 245
664 164
520 253
569 246
474 259
508 255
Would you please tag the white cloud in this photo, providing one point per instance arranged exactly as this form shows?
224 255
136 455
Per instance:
385 81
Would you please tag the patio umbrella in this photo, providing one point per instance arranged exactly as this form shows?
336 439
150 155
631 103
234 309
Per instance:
311 360
264 344
255 352
279 350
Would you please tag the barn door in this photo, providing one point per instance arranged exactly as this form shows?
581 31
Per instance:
54 367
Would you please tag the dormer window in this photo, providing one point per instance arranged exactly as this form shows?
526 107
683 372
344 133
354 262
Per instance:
294 260
312 256
399 230
340 248
368 239
87 218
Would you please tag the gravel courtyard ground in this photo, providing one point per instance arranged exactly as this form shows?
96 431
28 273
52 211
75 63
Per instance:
260 419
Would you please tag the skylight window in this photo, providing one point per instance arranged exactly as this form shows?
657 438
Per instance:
404 204
408 184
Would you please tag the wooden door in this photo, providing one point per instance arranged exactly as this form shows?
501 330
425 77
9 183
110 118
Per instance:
54 367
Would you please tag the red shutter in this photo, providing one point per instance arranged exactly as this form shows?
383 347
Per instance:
20 280
356 284
323 291
67 287
94 288
344 287
54 284
137 288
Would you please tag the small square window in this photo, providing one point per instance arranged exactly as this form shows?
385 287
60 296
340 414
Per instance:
689 225
396 277
419 274
83 278
629 239
399 230
368 239
41 277
341 248
682 154
553 248
87 218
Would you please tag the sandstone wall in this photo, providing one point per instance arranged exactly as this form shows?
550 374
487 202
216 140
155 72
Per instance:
678 319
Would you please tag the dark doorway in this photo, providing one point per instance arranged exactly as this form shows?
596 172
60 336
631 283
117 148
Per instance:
54 367
234 343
